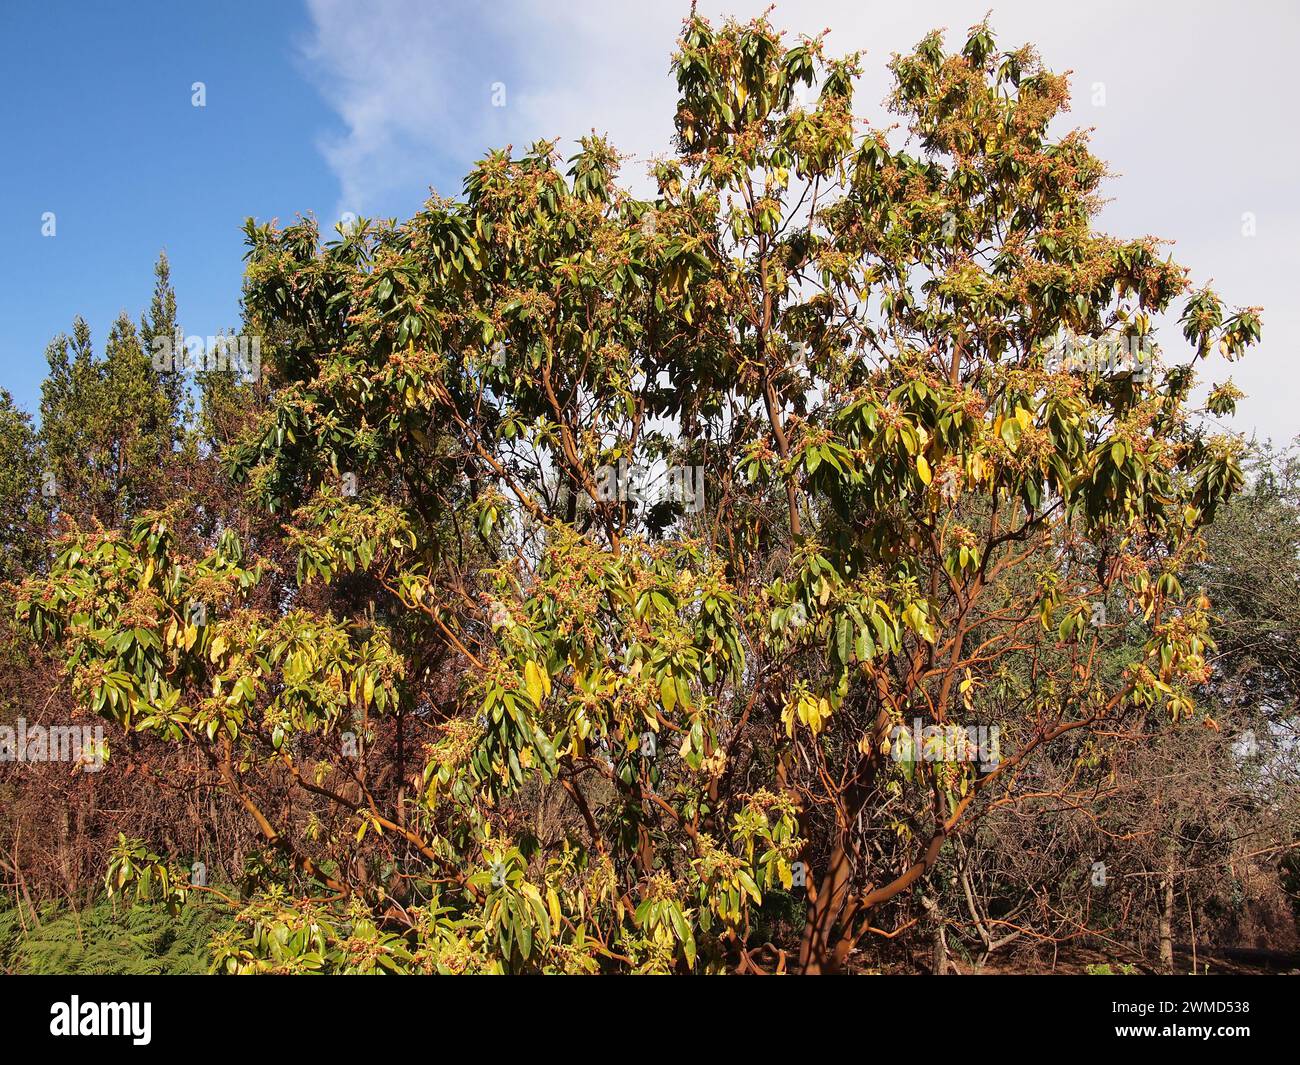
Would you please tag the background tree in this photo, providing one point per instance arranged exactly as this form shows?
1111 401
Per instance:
22 503
160 327
107 425
121 444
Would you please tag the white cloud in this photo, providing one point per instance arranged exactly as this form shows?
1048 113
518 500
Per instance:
1196 121
413 85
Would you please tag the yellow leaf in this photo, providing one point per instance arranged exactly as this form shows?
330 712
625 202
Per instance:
668 692
533 681
923 468
787 716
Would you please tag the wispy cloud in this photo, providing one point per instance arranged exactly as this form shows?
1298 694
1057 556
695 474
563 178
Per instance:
413 83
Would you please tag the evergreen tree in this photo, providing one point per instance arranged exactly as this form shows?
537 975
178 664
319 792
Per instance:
160 324
21 480
107 425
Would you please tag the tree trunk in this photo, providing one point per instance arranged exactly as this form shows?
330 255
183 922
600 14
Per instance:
939 945
828 929
818 948
1167 911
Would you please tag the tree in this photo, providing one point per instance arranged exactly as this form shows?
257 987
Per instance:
106 425
113 432
1252 574
1152 840
519 710
161 332
22 513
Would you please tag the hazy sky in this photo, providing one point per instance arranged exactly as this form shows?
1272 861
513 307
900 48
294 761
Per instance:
344 106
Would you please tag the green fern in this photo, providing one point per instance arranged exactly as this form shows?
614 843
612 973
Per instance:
108 940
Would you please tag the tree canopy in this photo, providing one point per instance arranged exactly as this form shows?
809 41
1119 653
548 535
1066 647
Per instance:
612 575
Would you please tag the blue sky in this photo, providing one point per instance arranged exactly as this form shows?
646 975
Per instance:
328 106
98 127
